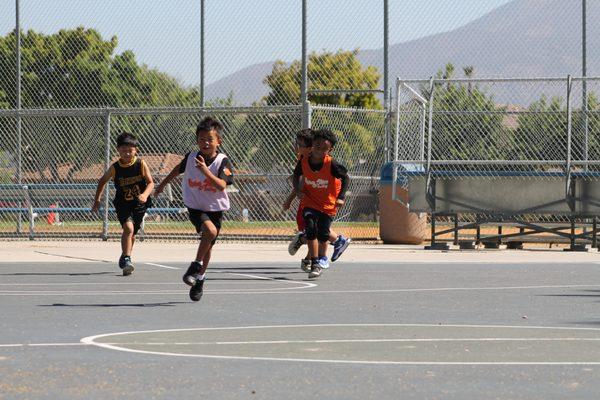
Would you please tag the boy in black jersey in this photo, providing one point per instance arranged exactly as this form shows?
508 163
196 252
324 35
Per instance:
133 186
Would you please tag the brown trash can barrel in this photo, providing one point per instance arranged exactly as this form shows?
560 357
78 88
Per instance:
396 224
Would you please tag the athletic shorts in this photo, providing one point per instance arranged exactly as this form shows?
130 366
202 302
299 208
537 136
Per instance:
198 217
133 211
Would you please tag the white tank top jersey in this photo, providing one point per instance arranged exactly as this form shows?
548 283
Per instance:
198 191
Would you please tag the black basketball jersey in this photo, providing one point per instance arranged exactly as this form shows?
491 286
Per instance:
129 182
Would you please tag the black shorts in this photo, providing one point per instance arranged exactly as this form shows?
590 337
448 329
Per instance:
131 211
198 217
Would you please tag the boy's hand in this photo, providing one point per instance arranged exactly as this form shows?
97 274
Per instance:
200 163
339 203
287 204
142 198
96 206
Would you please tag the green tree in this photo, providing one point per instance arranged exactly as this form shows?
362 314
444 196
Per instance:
466 122
340 70
358 135
77 68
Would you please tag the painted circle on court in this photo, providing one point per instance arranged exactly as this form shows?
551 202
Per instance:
369 343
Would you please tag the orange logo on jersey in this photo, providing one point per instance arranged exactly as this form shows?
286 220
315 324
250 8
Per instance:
204 186
226 171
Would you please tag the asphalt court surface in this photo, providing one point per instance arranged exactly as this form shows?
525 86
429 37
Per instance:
363 330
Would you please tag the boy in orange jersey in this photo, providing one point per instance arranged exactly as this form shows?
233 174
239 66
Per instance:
320 196
303 146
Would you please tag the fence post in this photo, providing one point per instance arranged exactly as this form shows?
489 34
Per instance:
106 166
430 124
584 99
569 127
18 121
202 20
304 72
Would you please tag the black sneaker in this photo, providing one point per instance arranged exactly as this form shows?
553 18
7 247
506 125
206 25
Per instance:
315 269
196 290
189 278
127 266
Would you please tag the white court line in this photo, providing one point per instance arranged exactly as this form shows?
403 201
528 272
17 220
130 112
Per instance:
112 346
286 290
43 344
161 266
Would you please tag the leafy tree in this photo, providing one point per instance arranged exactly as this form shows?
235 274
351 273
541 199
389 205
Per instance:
77 68
340 70
358 136
474 133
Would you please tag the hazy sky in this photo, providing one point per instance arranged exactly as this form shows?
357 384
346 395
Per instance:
165 34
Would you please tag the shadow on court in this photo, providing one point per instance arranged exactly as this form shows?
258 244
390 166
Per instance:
58 273
161 304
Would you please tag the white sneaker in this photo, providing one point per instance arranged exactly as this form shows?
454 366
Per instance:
323 262
296 243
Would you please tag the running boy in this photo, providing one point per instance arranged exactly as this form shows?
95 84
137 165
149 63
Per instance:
303 145
206 175
133 186
320 196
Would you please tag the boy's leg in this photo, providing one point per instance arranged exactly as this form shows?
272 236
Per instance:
311 218
323 230
209 235
127 240
299 238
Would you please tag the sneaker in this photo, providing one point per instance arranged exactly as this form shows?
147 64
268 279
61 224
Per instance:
339 246
196 290
189 278
296 243
305 265
315 270
127 266
323 262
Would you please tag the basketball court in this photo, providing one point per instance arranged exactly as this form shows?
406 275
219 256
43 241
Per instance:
409 323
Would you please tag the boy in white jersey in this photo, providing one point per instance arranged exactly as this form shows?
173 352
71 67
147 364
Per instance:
206 175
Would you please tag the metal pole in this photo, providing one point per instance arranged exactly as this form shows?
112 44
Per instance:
201 53
106 166
430 126
569 125
386 93
18 102
584 106
304 77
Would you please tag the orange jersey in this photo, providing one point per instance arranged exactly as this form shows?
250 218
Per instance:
321 188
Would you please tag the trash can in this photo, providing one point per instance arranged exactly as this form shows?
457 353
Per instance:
396 224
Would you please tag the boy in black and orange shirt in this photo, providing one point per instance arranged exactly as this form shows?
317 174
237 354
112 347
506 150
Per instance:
320 195
133 185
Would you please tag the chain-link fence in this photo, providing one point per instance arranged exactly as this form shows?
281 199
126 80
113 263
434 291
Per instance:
494 129
47 192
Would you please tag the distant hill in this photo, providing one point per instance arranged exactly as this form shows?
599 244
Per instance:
524 38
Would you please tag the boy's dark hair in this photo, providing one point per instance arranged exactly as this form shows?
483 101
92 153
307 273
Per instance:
208 124
327 135
306 135
127 139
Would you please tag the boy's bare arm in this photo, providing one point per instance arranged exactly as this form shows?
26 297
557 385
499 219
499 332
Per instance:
100 189
174 172
143 197
288 201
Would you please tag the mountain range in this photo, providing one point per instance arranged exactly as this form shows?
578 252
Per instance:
523 38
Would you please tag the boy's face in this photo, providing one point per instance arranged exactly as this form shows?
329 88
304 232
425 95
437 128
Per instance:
208 142
302 149
321 147
126 153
